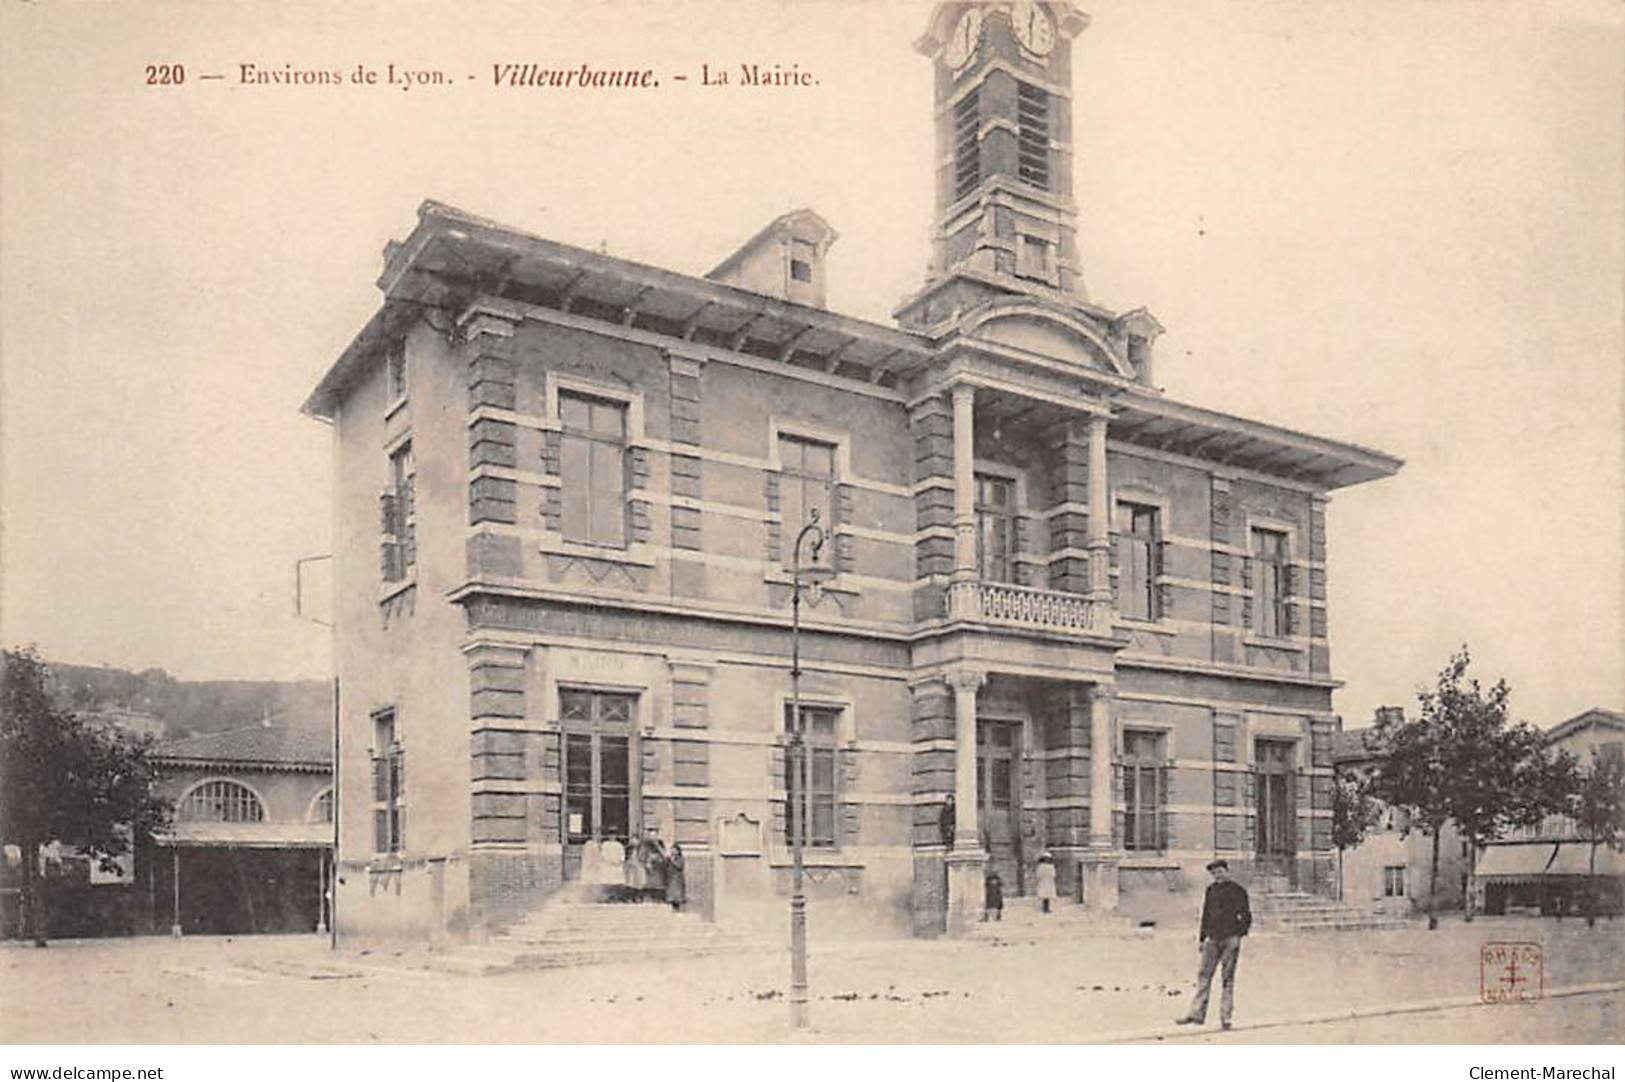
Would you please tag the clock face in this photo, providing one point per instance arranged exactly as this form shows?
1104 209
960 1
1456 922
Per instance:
1032 26
967 33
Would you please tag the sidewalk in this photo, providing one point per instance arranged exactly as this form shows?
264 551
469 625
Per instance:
293 990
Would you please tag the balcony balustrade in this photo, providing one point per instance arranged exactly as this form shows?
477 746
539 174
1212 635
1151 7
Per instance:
1008 605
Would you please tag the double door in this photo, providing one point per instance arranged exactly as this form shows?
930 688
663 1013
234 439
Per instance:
998 801
597 764
1277 817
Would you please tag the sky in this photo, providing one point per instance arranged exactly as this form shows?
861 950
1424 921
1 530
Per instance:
1391 223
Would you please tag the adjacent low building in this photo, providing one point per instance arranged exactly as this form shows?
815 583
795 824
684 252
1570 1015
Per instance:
573 490
251 844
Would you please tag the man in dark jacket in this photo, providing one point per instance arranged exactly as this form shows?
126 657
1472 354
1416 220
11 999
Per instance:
1226 917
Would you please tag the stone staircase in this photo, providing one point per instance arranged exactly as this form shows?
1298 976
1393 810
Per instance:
1278 908
581 931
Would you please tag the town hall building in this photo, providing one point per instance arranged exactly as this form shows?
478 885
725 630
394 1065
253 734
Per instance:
569 493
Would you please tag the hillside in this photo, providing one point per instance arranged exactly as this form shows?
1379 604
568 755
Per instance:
194 707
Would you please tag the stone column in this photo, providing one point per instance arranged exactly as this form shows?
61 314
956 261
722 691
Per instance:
962 594
967 861
1100 864
1100 522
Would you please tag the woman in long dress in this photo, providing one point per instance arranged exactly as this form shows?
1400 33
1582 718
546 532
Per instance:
1046 880
676 885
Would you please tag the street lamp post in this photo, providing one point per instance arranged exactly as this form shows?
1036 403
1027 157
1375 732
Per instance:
800 767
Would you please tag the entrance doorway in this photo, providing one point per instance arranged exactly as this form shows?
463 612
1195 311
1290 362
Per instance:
998 761
1277 829
597 768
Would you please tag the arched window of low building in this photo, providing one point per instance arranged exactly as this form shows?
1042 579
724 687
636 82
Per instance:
220 801
321 808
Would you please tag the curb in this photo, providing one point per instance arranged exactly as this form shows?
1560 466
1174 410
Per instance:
1418 1007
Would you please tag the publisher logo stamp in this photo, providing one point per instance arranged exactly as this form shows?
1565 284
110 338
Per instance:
1511 973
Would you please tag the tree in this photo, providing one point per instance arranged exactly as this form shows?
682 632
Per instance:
1598 807
1354 813
66 780
1464 760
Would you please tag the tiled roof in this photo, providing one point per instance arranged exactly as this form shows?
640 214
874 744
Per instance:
1349 746
254 744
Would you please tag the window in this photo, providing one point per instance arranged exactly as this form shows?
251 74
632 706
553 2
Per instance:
806 483
321 809
400 548
395 374
967 144
597 764
1393 881
1143 790
995 766
592 467
1137 551
1032 258
819 725
1269 582
801 260
1032 143
995 527
221 802
388 785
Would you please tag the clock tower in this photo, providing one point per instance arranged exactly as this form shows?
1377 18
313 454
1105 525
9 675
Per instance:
1005 221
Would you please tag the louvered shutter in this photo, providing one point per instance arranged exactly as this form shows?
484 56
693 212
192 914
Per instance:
380 831
1247 591
1114 566
1163 591
1164 798
388 514
1289 600
380 779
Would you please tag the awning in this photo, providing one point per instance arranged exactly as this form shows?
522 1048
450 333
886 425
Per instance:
1529 860
250 835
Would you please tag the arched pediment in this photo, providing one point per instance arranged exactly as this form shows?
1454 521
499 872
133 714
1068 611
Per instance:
1036 328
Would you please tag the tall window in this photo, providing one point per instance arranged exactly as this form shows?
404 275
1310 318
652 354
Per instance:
807 481
1269 582
995 527
1143 790
388 785
592 466
819 732
221 802
1393 881
400 516
395 370
967 144
321 809
995 766
1032 143
1137 570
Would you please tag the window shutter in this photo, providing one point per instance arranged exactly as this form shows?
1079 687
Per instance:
380 831
400 829
552 439
380 778
841 512
771 490
408 499
1247 591
1165 776
1289 600
388 559
1164 592
388 513
1114 566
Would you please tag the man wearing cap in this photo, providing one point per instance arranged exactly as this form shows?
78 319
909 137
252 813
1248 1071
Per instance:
1226 917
